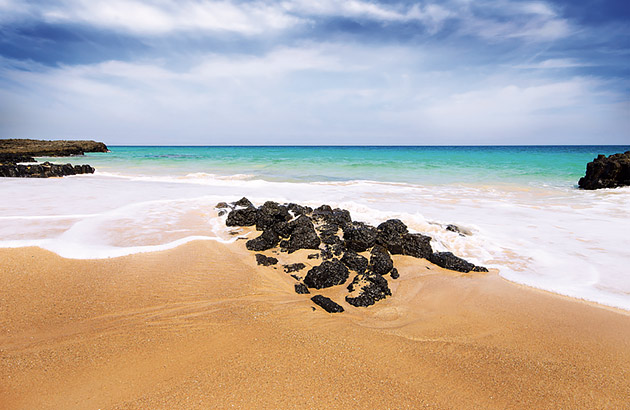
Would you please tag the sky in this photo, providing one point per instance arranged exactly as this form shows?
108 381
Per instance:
319 72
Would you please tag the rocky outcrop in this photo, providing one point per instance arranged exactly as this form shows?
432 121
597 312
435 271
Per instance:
329 273
42 148
15 158
340 241
607 172
449 261
327 304
367 289
265 260
45 170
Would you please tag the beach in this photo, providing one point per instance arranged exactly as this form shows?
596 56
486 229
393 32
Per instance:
202 326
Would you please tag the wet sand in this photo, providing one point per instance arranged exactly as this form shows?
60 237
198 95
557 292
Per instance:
202 326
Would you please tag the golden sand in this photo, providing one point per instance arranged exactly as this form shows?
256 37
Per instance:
203 327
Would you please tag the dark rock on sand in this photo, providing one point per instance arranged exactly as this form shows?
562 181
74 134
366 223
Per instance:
380 261
267 240
327 253
327 304
607 172
329 234
45 170
301 289
243 203
303 235
367 289
325 213
241 217
265 260
394 274
313 256
390 235
271 213
355 261
417 245
359 236
299 209
294 267
449 261
329 273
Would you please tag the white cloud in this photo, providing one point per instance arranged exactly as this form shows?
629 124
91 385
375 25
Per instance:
554 63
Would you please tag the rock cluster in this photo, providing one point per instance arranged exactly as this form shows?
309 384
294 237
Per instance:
340 242
607 172
45 170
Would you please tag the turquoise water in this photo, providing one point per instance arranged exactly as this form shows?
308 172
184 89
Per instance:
550 165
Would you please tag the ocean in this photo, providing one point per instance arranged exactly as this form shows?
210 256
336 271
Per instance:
520 204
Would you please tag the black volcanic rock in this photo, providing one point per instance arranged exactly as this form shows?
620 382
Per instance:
299 209
294 267
241 217
417 245
303 235
380 261
390 235
271 213
265 260
354 261
301 289
267 240
45 170
243 203
328 234
327 304
329 273
6 158
367 289
394 274
607 172
449 261
359 236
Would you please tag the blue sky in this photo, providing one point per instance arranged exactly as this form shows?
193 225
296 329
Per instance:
316 72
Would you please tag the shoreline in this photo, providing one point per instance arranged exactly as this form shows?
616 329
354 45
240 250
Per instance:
166 329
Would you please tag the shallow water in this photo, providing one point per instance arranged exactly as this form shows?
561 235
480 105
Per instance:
526 217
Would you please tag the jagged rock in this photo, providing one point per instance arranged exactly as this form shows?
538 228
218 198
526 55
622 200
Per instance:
6 158
241 217
337 249
267 240
339 217
265 260
301 289
327 304
271 213
299 209
328 234
417 245
294 267
458 229
313 256
329 273
244 203
303 235
355 261
394 274
449 261
327 253
367 289
359 236
45 170
607 172
380 261
390 235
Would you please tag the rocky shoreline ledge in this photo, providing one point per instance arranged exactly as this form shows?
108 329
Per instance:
607 172
13 152
344 246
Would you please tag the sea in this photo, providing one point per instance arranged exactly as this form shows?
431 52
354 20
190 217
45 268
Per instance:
518 205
